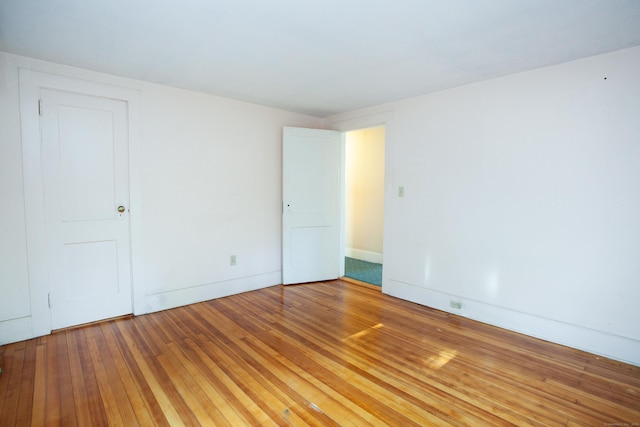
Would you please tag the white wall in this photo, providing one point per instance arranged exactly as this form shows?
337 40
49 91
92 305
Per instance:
364 194
523 202
211 188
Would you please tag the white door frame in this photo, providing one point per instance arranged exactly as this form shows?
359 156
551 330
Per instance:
31 83
358 123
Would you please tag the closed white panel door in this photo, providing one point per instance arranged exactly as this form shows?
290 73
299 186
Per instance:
86 184
311 206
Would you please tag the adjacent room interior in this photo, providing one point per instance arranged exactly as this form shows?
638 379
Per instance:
364 205
484 154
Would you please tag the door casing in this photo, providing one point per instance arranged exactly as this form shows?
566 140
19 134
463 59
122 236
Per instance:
31 84
385 119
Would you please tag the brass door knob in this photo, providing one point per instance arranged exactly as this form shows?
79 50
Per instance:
121 209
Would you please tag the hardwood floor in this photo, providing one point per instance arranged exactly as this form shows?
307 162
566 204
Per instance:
332 353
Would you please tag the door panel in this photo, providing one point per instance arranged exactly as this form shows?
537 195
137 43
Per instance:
311 206
86 163
85 171
91 262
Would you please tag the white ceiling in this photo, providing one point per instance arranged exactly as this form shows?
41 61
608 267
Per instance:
316 57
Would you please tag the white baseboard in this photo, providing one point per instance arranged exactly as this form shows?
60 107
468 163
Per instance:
15 330
597 342
20 329
191 295
363 255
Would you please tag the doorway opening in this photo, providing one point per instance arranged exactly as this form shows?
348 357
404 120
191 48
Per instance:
364 204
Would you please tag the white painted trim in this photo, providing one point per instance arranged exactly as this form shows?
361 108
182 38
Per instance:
15 330
360 254
186 296
34 208
620 348
343 185
135 201
362 122
31 83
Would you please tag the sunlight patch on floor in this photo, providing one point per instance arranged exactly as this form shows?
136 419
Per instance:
444 357
363 332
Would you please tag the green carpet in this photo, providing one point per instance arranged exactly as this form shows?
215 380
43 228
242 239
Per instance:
363 270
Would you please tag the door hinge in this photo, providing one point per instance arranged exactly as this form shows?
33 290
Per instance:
49 300
39 107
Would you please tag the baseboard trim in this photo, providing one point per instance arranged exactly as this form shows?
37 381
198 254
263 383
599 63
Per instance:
600 343
15 330
191 295
363 255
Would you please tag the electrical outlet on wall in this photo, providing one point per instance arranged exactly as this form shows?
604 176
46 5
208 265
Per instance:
232 260
455 304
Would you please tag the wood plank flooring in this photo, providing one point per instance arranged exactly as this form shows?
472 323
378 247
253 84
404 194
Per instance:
326 354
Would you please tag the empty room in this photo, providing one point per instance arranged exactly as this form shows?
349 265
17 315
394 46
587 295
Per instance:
178 212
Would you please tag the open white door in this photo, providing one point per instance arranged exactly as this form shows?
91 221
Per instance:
312 160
